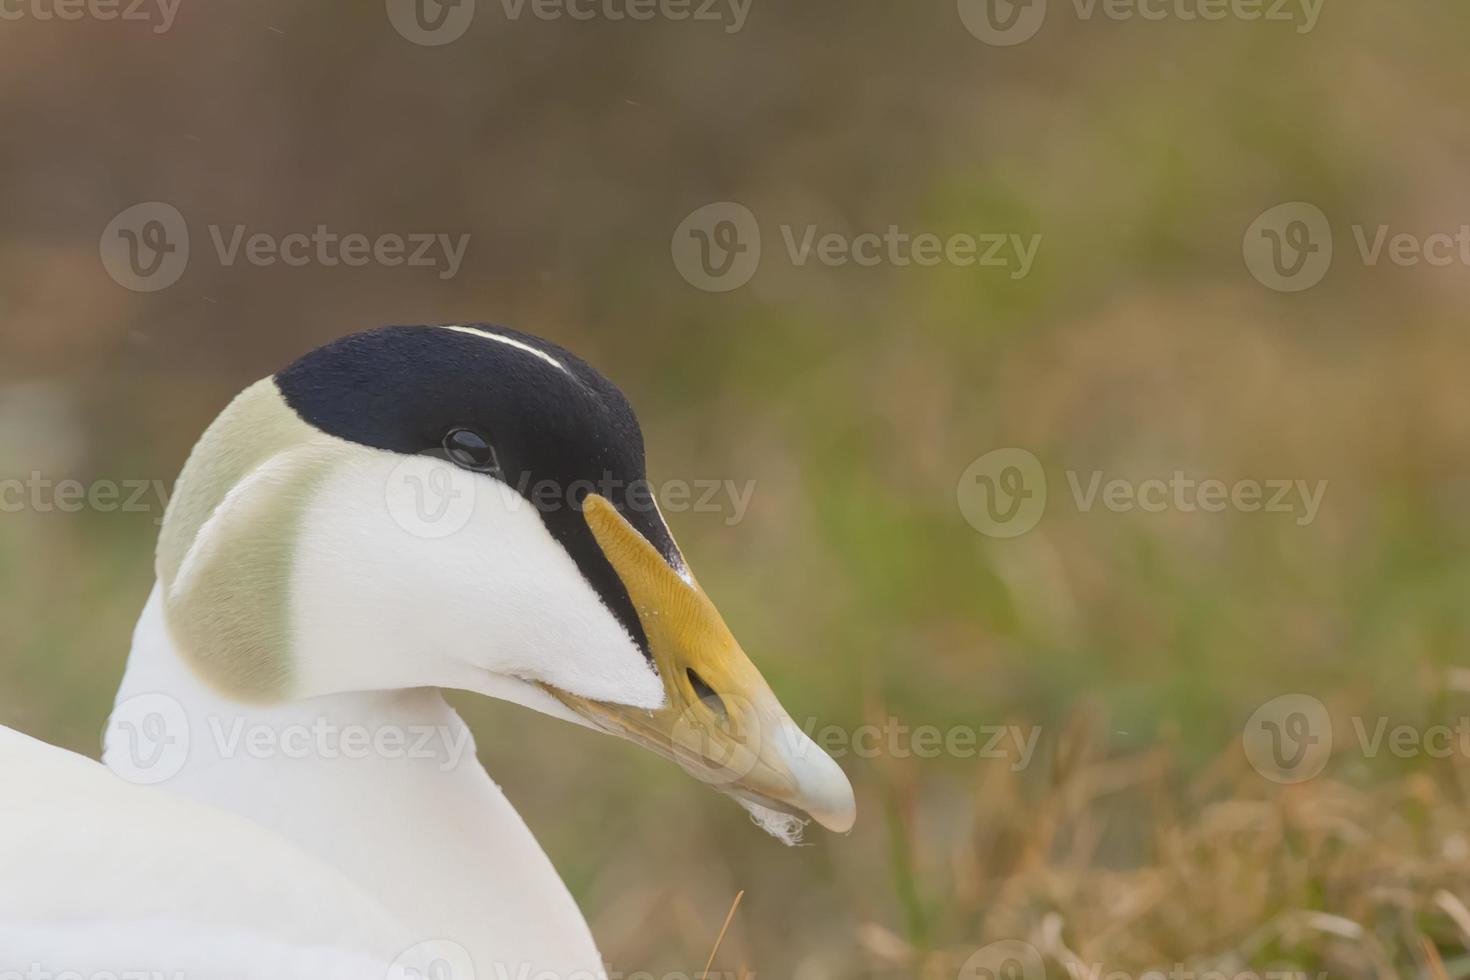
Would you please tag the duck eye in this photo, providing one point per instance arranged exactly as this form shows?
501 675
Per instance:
468 449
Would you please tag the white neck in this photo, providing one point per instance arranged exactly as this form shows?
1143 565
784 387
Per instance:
385 786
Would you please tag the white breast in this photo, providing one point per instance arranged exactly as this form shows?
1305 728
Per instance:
101 875
423 831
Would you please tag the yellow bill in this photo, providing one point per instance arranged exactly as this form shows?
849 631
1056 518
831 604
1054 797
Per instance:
720 721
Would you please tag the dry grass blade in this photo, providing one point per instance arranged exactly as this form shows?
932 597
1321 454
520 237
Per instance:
1436 965
729 917
1457 912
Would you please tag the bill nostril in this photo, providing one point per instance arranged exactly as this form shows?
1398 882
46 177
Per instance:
707 694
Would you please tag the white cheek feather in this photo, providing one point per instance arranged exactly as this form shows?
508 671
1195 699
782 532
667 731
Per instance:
381 599
280 469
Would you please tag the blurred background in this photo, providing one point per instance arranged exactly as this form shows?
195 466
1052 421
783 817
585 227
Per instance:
1159 328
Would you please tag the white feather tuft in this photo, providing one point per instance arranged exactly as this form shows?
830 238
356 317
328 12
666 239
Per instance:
783 826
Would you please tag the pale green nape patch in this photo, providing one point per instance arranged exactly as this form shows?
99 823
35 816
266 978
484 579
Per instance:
226 548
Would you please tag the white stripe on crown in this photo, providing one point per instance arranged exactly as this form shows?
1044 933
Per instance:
512 342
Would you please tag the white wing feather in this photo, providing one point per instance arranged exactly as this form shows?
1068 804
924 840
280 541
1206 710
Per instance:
98 875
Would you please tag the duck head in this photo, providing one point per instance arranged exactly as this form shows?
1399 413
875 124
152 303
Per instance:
467 507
